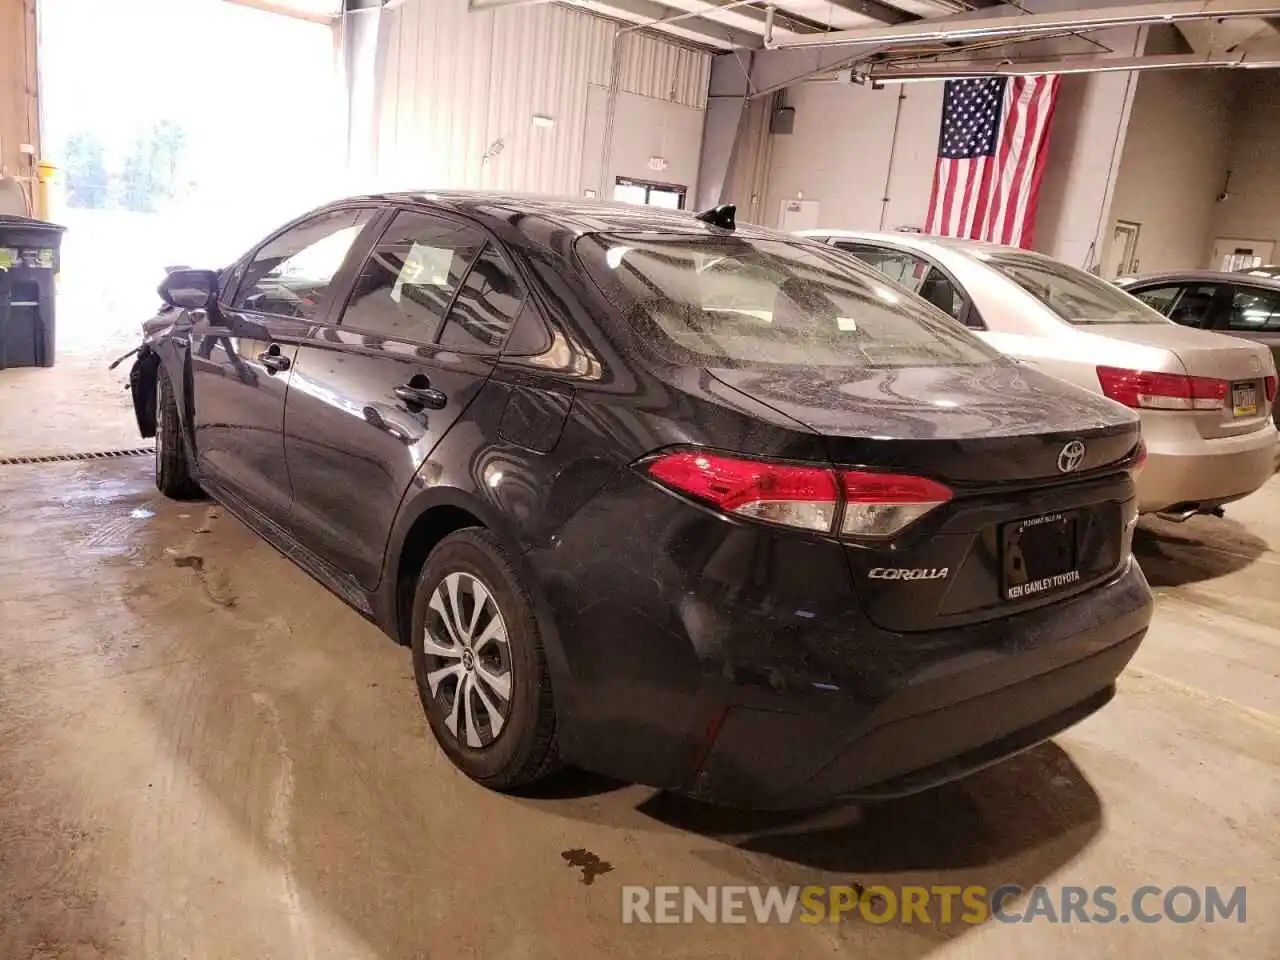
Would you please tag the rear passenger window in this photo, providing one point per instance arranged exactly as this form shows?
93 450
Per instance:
941 292
1254 309
411 277
1159 298
914 273
486 306
899 267
1192 305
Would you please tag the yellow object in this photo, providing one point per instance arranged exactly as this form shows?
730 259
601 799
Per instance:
46 177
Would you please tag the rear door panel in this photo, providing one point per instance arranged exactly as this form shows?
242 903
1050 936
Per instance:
427 311
354 447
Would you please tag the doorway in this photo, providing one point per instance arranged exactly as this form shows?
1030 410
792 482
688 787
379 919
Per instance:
668 195
1122 258
205 124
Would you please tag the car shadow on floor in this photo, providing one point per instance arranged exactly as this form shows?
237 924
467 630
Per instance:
1015 823
1202 548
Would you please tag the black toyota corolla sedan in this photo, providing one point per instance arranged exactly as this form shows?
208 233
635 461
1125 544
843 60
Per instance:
692 504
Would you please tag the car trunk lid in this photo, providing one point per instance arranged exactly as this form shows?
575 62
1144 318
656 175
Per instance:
1240 364
1043 497
976 426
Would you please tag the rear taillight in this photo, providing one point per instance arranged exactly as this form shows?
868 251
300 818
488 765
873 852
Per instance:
778 493
876 505
879 505
1271 389
1143 390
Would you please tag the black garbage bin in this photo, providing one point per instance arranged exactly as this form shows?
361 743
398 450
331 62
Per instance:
30 255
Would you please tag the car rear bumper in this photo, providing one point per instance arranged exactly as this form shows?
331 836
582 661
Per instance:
727 662
1207 472
940 723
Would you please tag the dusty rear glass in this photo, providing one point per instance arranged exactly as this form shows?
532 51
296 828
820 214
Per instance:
739 301
1075 296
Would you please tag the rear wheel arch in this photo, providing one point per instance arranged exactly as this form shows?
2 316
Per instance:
431 525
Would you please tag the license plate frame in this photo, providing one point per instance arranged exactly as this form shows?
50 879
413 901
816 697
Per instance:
1039 555
1244 399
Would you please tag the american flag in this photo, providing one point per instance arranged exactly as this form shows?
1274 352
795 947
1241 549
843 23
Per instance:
991 152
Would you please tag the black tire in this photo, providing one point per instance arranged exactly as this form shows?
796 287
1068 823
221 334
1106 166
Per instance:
523 750
173 469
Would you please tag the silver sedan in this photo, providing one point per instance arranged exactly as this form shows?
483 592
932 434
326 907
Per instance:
1205 399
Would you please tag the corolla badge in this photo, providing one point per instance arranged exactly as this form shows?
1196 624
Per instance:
1071 457
909 573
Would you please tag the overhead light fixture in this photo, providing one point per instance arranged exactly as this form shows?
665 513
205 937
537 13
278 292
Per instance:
543 121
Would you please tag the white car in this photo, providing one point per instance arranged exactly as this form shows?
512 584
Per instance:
1205 398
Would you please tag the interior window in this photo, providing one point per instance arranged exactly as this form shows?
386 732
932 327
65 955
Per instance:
409 279
1255 309
941 292
1160 298
486 306
914 273
290 275
1192 305
1073 295
897 266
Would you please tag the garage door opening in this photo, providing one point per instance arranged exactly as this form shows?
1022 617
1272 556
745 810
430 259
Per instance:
182 131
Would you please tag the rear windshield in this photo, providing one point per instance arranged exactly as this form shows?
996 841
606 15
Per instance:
738 301
1075 296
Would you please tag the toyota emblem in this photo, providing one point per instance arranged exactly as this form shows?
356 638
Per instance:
1071 457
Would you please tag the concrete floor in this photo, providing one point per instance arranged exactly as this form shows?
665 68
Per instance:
204 755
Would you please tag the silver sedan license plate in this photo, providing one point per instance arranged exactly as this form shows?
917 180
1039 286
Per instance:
1244 399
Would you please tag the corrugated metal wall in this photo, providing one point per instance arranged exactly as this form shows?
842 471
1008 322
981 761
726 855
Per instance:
652 67
458 92
18 116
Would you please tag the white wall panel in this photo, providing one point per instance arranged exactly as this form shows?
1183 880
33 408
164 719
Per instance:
1252 207
1174 161
654 68
544 60
458 93
433 96
643 127
839 155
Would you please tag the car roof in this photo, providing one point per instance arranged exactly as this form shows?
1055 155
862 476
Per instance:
909 238
1203 276
567 213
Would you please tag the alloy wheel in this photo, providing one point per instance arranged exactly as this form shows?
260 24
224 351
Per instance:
468 655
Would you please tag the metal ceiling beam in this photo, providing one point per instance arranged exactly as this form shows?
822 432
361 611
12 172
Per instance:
1088 64
755 12
285 10
646 14
968 27
875 10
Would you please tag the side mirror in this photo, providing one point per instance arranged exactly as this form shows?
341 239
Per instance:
189 289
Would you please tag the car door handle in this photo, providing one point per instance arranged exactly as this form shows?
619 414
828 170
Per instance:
423 396
274 362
